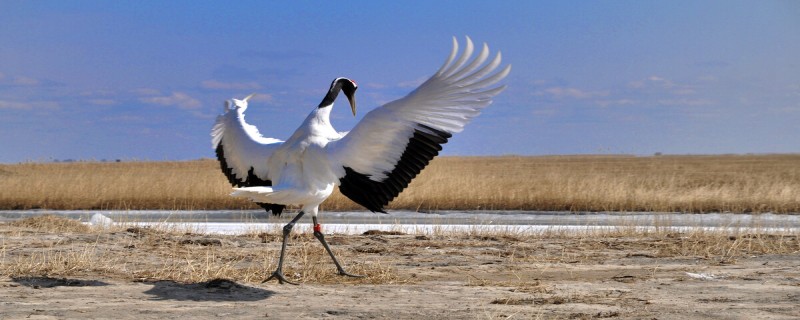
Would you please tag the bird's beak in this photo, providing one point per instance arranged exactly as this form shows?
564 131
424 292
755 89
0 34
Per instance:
353 104
248 97
351 96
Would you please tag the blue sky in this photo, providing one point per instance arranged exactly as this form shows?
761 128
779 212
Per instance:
145 79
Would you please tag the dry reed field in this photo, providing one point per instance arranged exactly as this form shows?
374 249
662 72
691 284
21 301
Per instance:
724 183
52 267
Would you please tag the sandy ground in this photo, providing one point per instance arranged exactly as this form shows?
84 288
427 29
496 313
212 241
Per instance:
425 277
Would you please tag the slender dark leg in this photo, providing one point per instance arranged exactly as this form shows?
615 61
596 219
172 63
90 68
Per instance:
318 234
287 229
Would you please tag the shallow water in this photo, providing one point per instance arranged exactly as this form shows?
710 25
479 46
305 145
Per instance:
240 221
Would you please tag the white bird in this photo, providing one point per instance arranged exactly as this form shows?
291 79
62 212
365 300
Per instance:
372 163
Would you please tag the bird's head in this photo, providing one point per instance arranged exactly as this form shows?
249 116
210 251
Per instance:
349 88
345 85
239 105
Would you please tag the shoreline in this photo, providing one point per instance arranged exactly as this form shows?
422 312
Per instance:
406 222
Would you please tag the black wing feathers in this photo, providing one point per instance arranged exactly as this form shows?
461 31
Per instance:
423 146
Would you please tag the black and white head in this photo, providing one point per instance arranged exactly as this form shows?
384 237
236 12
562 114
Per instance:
345 85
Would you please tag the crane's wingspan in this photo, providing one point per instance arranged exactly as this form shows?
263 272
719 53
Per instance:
242 152
393 143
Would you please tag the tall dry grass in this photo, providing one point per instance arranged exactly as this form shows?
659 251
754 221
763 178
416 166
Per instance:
127 185
735 183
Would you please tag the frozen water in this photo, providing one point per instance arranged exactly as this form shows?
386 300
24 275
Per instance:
242 221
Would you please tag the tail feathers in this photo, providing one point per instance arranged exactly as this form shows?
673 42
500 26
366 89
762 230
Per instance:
257 194
271 195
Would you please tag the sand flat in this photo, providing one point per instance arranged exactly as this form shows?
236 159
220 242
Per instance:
148 274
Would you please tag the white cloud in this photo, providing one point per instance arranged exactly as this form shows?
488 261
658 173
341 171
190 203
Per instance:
651 82
98 93
381 98
544 111
680 102
123 118
788 110
4 104
567 92
686 102
25 81
660 84
103 102
617 102
540 82
219 85
179 99
374 85
684 91
262 97
28 105
708 78
146 91
412 83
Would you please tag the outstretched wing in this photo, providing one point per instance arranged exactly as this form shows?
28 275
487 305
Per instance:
392 144
242 152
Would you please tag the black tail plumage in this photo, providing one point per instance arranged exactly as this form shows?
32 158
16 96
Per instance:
250 181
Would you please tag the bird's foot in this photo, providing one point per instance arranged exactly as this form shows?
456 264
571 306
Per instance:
278 274
347 274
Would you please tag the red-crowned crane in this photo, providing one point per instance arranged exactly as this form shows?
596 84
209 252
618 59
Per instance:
372 163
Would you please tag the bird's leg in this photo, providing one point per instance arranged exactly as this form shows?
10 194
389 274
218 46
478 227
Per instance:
318 234
287 229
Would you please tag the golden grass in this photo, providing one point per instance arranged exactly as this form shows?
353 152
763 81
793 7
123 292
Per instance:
725 183
51 224
131 185
35 247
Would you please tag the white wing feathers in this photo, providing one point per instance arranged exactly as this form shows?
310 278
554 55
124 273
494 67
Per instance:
240 146
446 103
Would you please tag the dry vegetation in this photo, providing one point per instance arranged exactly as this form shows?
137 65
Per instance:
735 183
56 268
52 246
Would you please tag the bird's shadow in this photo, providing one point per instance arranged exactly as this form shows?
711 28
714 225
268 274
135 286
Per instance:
49 282
212 290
